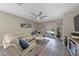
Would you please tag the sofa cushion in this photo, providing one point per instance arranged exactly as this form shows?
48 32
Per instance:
24 44
28 38
75 33
22 35
10 38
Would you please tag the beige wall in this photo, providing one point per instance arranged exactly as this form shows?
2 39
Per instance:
11 24
68 21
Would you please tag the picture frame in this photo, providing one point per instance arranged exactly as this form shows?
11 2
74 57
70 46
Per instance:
25 25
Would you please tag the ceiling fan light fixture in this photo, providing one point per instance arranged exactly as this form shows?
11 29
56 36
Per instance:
37 18
37 15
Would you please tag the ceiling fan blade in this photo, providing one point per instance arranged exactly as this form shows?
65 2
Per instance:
43 16
33 14
39 13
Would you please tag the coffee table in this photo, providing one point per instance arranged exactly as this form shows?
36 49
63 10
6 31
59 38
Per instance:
39 39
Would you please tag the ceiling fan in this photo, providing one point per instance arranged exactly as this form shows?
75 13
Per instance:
38 15
35 14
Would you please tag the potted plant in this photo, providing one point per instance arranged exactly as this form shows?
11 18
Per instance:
58 32
65 41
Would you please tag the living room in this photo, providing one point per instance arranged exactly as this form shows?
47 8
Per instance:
44 25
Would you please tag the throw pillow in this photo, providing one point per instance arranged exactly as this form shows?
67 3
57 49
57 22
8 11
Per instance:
24 44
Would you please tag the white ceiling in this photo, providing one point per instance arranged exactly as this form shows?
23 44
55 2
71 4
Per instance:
53 10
